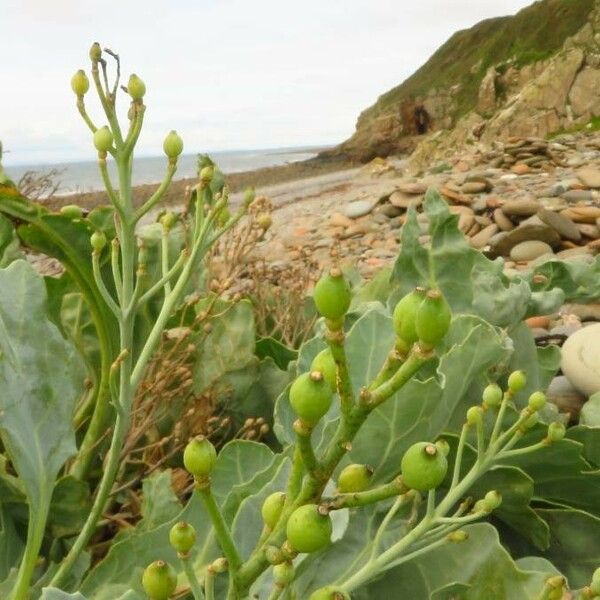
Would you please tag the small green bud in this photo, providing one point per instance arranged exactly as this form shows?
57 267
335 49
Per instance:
330 592
168 220
354 478
516 381
325 363
479 506
219 565
95 52
72 211
271 509
595 588
206 174
274 555
311 397
423 467
537 400
443 446
159 580
283 573
200 457
249 196
474 416
264 221
596 575
80 84
103 139
136 87
492 500
182 537
556 432
98 241
458 536
173 145
405 316
492 395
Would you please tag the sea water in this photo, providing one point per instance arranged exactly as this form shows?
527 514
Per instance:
78 177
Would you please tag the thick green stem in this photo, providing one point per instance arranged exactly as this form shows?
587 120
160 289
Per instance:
392 363
304 445
195 587
335 340
383 492
35 535
158 194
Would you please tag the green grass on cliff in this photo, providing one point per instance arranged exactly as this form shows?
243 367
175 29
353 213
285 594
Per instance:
533 34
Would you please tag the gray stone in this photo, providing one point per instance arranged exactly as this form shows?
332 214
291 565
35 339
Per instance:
503 243
405 200
565 227
481 239
529 250
581 359
567 398
408 187
589 176
389 210
358 208
521 208
474 187
578 196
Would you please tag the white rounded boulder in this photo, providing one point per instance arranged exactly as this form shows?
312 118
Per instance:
581 359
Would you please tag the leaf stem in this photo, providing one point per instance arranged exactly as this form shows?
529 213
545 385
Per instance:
335 341
188 568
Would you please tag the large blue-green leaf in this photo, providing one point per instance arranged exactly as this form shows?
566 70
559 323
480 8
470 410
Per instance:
40 380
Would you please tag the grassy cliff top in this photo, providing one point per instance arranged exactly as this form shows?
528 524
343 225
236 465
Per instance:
533 34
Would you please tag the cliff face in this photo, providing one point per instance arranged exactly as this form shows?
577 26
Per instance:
527 74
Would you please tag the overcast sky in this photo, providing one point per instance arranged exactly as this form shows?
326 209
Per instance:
227 74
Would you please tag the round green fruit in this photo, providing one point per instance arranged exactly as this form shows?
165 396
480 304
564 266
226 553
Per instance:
271 509
95 52
537 400
80 84
433 319
159 580
332 295
199 457
330 592
98 241
492 395
103 139
492 500
354 478
325 363
310 397
309 528
474 416
136 87
182 537
423 467
516 381
405 316
207 173
283 573
71 211
173 145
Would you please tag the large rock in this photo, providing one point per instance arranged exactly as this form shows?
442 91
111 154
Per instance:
581 359
503 243
565 227
584 97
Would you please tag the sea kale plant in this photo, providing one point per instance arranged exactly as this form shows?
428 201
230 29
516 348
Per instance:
414 453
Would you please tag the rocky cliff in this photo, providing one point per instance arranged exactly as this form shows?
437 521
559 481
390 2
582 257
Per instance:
529 74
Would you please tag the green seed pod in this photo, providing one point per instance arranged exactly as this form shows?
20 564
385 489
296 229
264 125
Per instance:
173 145
98 241
325 363
405 316
354 478
423 467
72 211
537 400
433 319
159 580
200 457
458 536
309 528
516 381
271 509
274 555
492 500
310 397
443 446
330 592
556 431
80 84
283 573
95 52
136 87
332 295
182 537
206 174
474 416
492 395
103 139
